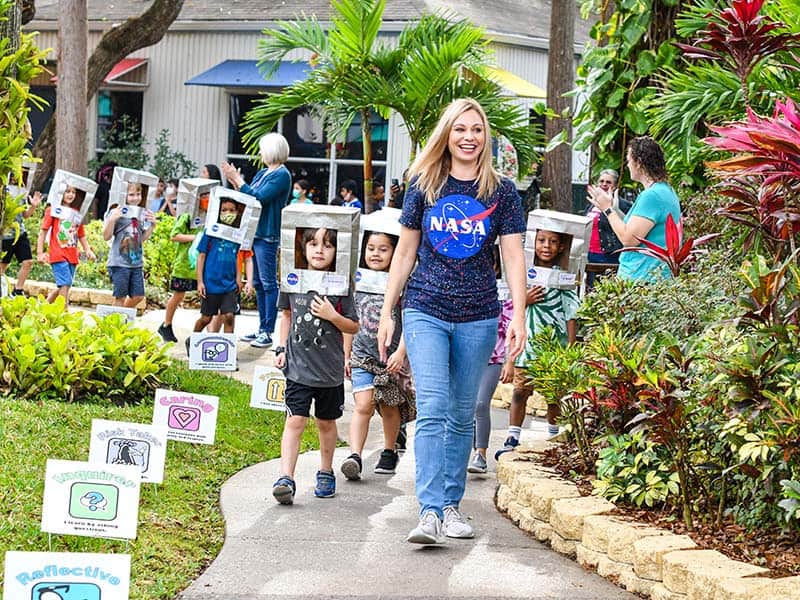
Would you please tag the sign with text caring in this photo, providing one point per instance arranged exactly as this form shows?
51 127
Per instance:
66 576
188 417
120 443
91 499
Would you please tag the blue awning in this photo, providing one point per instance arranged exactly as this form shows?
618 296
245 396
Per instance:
246 74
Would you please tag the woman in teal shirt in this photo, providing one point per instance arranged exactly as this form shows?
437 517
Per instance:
647 217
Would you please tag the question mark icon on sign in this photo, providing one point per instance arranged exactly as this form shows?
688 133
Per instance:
94 501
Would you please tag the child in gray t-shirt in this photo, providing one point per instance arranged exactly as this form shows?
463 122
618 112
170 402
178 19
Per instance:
313 361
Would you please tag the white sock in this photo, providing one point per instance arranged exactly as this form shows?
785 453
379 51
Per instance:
514 431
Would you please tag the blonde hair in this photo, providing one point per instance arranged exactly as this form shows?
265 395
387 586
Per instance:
432 165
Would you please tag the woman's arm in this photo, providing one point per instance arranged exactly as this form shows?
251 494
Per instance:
636 227
405 255
514 263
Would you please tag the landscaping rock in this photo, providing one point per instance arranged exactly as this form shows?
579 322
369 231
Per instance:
504 497
547 490
542 530
101 297
597 529
740 588
612 569
526 520
586 557
703 577
533 447
787 588
620 544
648 553
515 511
693 572
78 295
660 592
525 480
561 545
502 395
509 466
566 515
635 584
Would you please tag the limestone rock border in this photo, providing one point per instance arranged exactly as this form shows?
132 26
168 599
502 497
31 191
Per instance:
648 561
77 295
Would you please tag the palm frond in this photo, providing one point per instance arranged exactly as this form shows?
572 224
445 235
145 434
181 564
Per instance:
305 33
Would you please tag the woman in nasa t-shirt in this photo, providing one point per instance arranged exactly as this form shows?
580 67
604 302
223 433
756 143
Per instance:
455 207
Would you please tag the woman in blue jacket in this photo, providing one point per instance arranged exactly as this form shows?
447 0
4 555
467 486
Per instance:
272 187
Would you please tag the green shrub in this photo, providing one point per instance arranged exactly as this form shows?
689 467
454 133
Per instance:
48 353
159 254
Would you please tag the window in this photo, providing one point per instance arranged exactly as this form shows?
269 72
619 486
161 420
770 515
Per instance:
311 155
111 107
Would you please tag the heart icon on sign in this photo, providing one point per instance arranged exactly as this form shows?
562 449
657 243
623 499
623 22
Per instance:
184 417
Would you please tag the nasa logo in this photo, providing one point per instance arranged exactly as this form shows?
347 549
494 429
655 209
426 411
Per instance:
358 276
292 279
124 210
531 273
457 225
215 227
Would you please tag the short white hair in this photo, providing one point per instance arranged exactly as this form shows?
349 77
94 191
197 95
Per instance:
273 148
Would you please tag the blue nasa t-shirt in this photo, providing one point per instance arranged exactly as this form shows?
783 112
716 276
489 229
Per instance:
455 280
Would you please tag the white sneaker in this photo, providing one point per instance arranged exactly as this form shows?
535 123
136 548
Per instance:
454 524
477 464
429 530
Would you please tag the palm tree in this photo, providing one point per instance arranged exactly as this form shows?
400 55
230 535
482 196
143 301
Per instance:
436 60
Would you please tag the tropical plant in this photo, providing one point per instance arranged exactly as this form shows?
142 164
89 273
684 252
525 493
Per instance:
676 254
791 500
19 64
168 163
435 61
631 44
124 145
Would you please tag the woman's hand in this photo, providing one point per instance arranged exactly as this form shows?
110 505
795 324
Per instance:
385 333
232 174
601 198
516 336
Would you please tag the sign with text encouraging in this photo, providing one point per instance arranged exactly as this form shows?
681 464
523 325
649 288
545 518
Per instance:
119 443
212 351
268 388
91 499
188 417
66 576
103 310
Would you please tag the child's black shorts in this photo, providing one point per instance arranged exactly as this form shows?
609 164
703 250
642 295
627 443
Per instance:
220 303
179 284
328 402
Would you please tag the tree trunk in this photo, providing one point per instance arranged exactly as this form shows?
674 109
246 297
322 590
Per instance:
557 166
9 28
366 138
134 34
71 88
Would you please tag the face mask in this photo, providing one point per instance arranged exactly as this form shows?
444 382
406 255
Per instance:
295 194
227 218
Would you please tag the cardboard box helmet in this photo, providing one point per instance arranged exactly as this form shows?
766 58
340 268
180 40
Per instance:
70 196
387 222
300 223
125 180
562 268
242 230
194 196
22 187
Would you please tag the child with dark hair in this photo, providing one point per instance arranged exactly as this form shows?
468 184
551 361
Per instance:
300 192
557 310
349 194
377 384
311 354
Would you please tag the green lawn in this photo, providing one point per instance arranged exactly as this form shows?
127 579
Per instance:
180 525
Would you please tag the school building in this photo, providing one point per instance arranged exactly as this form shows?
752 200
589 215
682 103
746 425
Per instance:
201 78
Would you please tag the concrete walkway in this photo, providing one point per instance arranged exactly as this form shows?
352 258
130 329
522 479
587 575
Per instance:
353 545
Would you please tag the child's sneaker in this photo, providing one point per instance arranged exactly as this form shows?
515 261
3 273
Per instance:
249 337
283 490
165 331
263 340
402 439
326 484
351 467
429 530
387 464
510 443
186 343
477 464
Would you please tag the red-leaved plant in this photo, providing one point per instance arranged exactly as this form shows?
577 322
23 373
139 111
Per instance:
741 38
677 253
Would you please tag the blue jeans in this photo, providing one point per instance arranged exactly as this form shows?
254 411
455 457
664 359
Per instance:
265 281
447 361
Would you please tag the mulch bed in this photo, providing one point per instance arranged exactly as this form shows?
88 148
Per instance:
772 549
